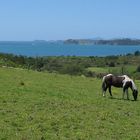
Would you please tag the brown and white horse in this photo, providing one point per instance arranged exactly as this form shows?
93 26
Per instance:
121 82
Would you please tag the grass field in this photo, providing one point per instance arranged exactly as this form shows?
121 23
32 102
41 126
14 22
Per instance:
118 69
40 106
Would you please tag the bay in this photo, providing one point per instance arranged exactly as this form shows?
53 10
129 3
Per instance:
60 49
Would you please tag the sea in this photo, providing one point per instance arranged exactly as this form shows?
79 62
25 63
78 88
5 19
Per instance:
35 49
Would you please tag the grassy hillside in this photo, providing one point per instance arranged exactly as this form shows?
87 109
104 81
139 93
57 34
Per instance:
39 106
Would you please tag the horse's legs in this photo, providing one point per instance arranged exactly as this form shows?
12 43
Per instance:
127 94
125 90
110 90
104 91
123 93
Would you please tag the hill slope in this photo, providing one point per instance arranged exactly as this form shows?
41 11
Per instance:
42 106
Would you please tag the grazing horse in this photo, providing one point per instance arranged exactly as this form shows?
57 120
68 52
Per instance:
121 82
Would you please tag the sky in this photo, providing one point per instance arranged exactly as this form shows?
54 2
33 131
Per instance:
64 19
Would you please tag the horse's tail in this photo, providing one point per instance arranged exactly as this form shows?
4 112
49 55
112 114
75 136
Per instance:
103 85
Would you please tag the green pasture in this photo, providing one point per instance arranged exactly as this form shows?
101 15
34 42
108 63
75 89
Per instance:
45 106
126 69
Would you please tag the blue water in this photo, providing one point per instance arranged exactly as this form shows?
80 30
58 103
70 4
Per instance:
50 49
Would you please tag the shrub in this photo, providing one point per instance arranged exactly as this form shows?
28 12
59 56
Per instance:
138 69
137 53
111 64
89 74
136 75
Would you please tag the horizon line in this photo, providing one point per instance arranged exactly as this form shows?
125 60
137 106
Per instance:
96 38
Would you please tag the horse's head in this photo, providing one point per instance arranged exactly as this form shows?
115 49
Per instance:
135 94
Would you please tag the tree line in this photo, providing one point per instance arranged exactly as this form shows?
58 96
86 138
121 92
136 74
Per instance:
72 65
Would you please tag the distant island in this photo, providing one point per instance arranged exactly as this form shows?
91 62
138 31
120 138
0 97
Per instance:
125 41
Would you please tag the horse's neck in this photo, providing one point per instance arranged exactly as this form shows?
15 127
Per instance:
133 85
128 79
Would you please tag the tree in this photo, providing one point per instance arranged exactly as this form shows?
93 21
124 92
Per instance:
137 53
138 68
111 64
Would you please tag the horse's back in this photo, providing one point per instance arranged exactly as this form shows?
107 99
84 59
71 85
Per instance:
117 81
112 80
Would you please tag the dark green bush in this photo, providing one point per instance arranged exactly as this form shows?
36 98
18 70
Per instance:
138 69
111 64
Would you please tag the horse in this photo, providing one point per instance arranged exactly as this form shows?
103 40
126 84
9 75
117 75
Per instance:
121 82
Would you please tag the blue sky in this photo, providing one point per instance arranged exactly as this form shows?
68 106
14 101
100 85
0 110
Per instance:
63 19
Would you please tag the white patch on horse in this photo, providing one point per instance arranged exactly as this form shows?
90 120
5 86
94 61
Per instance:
109 75
133 85
127 79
